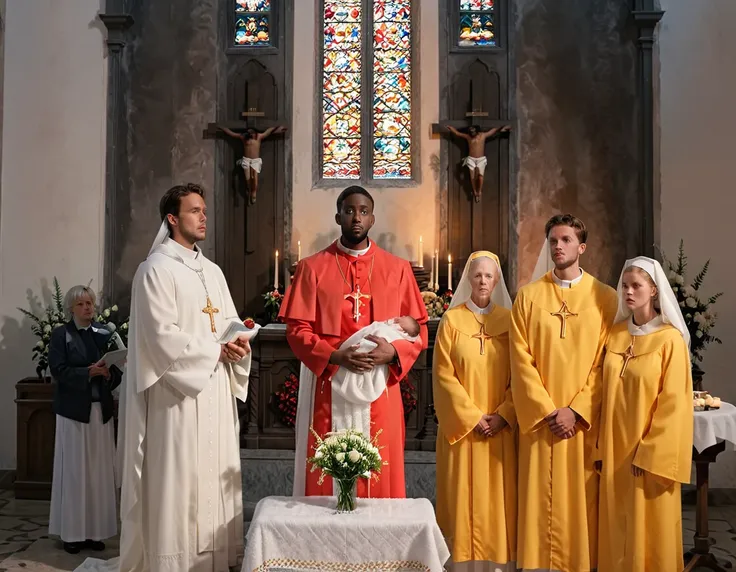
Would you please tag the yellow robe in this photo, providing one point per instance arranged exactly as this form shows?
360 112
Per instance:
558 487
647 420
476 475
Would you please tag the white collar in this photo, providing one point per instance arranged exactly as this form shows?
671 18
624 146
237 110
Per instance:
567 283
473 307
181 250
650 327
350 251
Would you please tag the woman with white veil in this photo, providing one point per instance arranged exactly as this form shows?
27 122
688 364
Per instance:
476 439
646 431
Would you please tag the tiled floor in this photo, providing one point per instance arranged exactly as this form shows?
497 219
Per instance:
26 547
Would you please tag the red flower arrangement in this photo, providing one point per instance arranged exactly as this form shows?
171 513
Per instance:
408 399
272 304
284 401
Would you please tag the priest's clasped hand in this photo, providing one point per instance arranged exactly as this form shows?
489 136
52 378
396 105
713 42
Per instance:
352 360
490 425
383 353
562 422
233 352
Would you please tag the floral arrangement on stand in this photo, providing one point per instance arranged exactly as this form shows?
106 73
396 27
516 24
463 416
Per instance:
345 456
437 304
697 312
284 401
54 316
272 304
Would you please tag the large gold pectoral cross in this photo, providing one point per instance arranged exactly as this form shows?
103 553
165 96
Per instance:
482 336
628 354
564 313
355 297
210 310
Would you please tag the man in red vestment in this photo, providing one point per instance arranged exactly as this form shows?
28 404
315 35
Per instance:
335 293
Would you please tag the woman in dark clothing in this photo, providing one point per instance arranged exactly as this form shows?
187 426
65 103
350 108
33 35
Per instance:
83 511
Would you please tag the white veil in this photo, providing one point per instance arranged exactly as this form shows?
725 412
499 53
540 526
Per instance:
666 303
499 296
544 262
163 234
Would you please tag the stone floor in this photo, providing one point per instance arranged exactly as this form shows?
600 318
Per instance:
25 545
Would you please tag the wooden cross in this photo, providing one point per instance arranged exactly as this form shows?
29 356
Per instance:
210 310
482 336
357 302
564 313
476 116
627 356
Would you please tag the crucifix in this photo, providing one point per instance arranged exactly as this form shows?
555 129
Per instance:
480 129
564 313
250 131
627 356
355 297
210 310
482 336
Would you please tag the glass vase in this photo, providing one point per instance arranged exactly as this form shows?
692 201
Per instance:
345 495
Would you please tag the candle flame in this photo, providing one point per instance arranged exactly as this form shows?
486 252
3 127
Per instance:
449 258
277 253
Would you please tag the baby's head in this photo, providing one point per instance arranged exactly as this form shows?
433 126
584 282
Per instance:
409 325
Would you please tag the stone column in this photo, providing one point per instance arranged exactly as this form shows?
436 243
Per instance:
116 25
646 18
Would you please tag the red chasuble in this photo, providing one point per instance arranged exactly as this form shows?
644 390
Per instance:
319 317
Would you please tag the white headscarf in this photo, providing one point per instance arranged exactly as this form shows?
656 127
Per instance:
499 295
544 262
163 234
666 303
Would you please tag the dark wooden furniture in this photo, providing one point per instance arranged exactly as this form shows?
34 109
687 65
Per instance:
700 557
274 361
36 432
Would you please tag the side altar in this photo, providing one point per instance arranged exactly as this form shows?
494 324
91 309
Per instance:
274 363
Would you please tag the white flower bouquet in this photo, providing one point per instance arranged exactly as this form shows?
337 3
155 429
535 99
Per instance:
345 456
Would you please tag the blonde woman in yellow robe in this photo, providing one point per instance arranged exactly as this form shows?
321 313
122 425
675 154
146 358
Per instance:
476 446
646 433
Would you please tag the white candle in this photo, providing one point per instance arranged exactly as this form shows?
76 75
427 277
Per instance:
276 273
298 250
437 270
449 272
420 258
431 274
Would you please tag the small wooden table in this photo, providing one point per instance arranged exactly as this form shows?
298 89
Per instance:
700 556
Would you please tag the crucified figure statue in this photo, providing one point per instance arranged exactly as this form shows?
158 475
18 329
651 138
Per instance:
476 160
251 161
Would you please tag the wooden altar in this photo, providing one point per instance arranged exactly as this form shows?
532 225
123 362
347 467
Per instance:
274 361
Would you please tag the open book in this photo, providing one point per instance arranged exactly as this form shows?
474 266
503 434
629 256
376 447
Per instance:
115 357
235 330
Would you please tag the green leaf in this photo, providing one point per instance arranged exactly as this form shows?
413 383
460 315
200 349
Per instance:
713 298
698 281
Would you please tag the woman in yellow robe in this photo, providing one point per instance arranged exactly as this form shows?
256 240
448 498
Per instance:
476 440
646 433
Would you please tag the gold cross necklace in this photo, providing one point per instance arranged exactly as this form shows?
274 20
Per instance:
209 309
356 296
564 313
482 336
628 355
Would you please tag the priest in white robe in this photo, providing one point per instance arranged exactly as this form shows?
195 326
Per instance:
181 504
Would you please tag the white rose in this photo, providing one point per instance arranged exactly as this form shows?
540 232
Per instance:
691 302
675 289
699 334
671 275
679 279
40 345
340 457
689 291
114 308
106 313
354 456
47 328
344 446
318 455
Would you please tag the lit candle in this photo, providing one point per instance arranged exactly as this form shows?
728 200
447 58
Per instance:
298 250
449 272
420 259
431 274
276 273
437 270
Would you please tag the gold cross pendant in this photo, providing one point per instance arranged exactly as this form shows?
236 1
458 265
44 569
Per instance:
210 310
355 297
564 313
482 336
627 356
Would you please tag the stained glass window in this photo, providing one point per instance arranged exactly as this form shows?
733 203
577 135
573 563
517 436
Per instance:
392 89
252 23
366 140
477 23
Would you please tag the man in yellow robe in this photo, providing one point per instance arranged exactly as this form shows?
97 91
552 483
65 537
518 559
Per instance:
559 324
476 440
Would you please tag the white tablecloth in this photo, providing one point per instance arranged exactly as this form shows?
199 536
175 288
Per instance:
305 534
711 427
